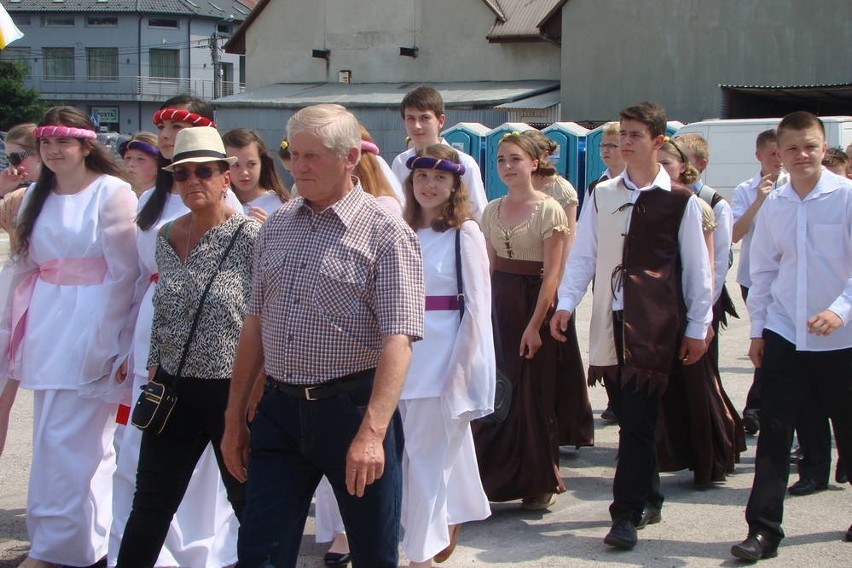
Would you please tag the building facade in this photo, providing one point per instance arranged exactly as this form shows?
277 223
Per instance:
118 60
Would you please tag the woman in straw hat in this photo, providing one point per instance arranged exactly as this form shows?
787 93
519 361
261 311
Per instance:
209 247
203 532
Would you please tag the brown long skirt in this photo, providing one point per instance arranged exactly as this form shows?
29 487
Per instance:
699 427
520 456
573 409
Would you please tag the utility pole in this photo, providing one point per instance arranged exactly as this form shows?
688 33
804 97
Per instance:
217 66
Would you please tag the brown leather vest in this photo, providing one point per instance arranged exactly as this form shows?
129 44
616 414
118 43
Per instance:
654 309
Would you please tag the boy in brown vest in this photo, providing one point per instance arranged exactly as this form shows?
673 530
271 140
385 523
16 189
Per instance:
652 304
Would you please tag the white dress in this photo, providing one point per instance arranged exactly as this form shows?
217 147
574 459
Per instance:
203 532
269 202
77 332
450 381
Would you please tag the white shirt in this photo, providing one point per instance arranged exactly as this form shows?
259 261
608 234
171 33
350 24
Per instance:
801 263
743 198
696 283
472 178
722 239
744 195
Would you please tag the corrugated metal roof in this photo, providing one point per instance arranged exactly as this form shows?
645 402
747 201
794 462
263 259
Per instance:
763 87
535 102
524 19
471 94
212 8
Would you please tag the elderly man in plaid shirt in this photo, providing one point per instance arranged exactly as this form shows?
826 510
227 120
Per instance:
337 299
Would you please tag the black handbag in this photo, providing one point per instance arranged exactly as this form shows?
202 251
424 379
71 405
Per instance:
503 390
157 399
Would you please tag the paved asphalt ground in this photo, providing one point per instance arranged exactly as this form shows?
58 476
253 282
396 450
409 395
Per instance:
698 527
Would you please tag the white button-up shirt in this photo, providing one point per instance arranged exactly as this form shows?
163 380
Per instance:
801 263
695 261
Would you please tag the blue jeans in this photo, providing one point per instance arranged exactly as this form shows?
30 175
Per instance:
295 442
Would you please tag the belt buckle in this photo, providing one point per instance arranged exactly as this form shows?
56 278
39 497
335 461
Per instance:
308 393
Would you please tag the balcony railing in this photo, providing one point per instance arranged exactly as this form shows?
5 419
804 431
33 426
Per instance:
132 88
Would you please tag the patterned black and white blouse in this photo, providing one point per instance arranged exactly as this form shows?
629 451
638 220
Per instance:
179 288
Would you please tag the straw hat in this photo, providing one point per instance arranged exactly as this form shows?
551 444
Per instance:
199 144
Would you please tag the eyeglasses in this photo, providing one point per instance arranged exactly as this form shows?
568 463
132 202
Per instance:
609 147
15 158
201 173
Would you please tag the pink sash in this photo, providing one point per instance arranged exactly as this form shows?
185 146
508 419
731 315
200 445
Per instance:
60 271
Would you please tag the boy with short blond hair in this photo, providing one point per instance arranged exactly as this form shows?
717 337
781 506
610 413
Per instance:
747 200
422 111
800 303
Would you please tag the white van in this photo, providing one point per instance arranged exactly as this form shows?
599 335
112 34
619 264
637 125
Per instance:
732 146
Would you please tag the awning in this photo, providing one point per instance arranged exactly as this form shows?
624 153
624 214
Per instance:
535 102
759 101
475 94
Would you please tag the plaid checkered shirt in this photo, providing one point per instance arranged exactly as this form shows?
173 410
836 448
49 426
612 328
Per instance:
330 286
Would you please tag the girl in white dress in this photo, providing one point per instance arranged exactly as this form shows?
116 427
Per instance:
69 328
253 176
451 378
203 532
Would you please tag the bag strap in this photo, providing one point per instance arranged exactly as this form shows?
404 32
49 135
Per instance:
459 279
204 297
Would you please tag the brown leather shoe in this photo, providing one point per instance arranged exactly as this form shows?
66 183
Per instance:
538 502
454 539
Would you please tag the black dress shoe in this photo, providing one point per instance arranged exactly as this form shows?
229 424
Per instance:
840 473
609 415
755 547
650 516
849 534
751 421
622 535
336 558
806 486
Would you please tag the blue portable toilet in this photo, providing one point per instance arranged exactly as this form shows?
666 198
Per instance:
594 164
468 137
570 155
494 187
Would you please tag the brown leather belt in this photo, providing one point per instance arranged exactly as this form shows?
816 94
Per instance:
522 267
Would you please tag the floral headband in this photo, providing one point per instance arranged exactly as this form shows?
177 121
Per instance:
430 163
181 115
512 134
64 132
367 146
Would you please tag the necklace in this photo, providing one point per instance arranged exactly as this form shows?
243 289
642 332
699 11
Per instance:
188 239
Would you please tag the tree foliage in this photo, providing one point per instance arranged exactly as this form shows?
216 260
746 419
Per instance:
17 103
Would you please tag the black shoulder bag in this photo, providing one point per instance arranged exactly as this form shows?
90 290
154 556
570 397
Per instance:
157 400
503 390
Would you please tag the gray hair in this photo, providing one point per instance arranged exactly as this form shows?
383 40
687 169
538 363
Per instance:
338 128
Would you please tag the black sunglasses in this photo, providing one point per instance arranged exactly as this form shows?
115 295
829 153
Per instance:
15 158
201 172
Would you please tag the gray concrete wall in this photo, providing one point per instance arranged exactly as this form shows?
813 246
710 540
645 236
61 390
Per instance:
364 36
676 52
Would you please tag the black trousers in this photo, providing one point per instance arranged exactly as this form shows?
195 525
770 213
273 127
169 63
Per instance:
166 463
790 376
753 396
637 474
814 436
